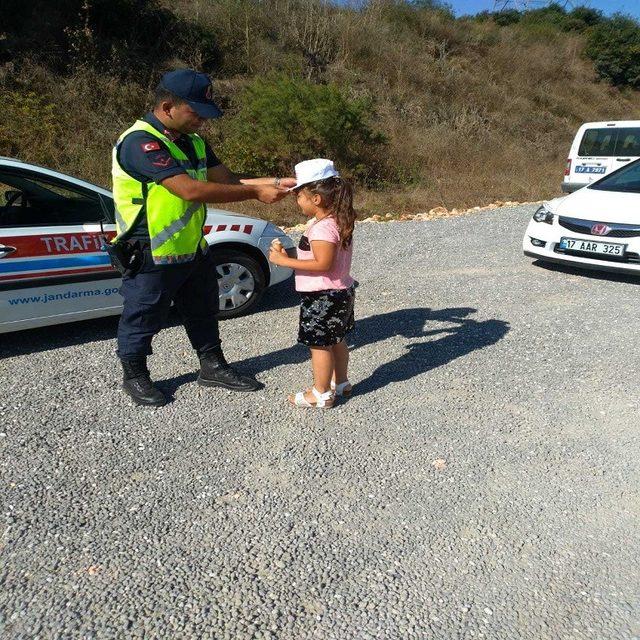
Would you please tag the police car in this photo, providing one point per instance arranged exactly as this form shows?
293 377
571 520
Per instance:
52 268
596 227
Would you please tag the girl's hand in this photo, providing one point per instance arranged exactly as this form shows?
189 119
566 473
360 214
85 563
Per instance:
277 257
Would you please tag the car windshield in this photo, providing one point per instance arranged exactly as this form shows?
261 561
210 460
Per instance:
626 180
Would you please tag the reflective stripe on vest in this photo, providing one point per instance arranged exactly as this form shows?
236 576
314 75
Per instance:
176 226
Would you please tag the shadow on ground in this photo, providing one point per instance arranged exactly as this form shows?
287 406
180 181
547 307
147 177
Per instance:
592 274
462 336
58 336
427 349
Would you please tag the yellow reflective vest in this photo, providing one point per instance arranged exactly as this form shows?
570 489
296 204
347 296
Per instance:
175 225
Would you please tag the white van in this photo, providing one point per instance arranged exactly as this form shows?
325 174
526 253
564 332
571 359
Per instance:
600 148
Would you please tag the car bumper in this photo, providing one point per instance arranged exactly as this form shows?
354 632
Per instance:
550 252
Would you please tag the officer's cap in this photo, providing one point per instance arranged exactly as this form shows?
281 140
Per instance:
194 88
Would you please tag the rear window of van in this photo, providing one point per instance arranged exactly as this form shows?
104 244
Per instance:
610 142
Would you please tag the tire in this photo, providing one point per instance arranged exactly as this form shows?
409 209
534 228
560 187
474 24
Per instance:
241 281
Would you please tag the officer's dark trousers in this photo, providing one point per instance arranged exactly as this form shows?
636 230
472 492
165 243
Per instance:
192 286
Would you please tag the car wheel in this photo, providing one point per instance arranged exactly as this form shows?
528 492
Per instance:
241 282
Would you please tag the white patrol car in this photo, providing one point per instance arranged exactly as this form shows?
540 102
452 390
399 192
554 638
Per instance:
597 227
52 268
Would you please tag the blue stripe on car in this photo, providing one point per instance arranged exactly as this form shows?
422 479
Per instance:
53 263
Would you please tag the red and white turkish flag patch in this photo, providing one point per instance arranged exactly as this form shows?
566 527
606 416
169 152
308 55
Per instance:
150 146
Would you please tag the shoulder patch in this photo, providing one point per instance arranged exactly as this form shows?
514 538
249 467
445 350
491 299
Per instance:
162 160
150 146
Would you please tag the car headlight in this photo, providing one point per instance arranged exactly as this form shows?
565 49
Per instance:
543 215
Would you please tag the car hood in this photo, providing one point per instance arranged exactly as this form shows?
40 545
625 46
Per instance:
220 216
600 206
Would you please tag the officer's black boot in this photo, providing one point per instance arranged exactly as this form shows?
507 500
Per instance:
138 385
215 372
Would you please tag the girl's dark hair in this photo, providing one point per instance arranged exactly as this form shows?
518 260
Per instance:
337 197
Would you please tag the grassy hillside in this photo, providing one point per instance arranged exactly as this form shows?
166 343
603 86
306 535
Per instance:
443 111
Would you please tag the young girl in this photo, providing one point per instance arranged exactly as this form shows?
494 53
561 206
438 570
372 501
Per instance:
323 279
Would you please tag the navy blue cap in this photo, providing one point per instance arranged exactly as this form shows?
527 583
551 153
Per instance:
194 88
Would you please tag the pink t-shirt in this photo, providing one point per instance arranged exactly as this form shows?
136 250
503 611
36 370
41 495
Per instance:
338 276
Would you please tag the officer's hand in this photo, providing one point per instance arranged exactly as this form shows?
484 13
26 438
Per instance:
269 194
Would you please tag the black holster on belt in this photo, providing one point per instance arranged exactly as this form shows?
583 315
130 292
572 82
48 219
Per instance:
126 257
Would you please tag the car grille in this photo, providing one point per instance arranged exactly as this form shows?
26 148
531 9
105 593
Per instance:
584 227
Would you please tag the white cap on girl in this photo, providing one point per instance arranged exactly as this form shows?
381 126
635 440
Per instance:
313 170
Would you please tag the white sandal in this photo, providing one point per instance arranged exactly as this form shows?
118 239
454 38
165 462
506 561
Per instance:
323 400
343 389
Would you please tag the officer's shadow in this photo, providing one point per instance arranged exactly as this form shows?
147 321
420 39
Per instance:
463 336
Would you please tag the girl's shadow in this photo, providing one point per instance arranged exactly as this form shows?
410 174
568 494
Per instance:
420 357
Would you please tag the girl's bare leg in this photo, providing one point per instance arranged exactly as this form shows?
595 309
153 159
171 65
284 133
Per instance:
340 362
322 365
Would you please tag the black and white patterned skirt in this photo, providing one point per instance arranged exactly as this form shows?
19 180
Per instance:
326 316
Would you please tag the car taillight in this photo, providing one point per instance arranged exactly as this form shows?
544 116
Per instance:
567 169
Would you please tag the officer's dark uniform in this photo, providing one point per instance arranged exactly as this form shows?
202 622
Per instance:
192 286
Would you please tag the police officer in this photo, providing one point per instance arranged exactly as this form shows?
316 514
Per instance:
163 173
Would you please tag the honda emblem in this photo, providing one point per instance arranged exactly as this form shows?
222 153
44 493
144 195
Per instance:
600 229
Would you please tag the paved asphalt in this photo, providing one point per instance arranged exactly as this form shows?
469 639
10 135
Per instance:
481 483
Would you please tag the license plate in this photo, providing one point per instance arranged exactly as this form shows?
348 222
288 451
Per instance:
584 169
589 246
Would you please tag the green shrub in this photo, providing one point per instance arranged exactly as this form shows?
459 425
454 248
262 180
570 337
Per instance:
585 17
614 46
507 17
280 121
553 16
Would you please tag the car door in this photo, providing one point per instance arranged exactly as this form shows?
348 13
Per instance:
52 268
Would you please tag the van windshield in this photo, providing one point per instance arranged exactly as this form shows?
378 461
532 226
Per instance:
626 180
610 141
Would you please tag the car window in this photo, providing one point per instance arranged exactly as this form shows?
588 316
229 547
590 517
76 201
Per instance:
626 180
31 199
598 142
628 142
610 142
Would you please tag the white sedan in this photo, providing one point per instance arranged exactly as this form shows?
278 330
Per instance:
596 227
52 267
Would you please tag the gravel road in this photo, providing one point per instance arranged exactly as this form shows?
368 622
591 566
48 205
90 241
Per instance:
482 482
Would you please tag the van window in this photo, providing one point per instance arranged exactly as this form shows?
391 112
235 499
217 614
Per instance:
610 142
628 142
